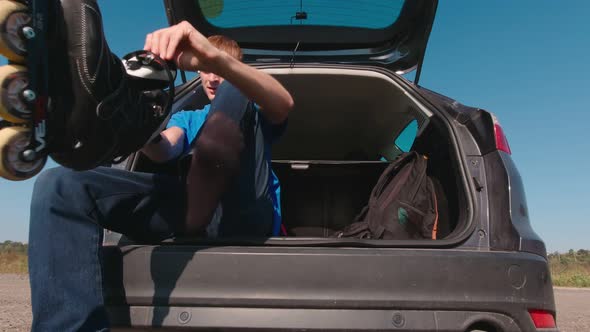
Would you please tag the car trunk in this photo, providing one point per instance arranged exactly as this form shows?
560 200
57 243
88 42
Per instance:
341 136
320 198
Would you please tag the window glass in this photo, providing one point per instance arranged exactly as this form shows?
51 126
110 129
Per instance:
405 140
372 14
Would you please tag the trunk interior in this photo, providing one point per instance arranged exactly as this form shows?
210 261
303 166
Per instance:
341 136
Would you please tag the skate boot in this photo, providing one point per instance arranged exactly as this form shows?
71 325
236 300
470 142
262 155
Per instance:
65 95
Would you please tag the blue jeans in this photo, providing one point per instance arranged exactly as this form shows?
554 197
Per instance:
70 209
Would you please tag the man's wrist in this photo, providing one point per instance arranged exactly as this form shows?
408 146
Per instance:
223 64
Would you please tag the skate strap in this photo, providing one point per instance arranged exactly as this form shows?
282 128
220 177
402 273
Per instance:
149 66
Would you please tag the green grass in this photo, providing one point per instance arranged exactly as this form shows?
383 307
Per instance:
573 279
571 269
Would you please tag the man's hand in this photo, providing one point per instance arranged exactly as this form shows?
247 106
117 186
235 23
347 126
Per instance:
186 46
192 51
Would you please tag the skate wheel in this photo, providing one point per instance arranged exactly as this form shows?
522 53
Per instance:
13 141
13 17
13 81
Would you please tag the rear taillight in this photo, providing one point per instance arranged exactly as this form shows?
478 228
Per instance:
501 141
542 319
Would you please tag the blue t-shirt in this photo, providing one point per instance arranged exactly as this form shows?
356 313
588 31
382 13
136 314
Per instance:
192 121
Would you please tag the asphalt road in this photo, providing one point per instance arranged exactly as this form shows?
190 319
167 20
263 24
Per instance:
573 306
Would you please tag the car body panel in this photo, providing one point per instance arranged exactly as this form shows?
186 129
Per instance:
326 280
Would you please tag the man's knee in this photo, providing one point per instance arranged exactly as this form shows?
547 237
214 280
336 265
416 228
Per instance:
230 101
53 191
220 143
57 183
48 181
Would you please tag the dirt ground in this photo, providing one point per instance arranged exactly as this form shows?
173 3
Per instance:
15 303
573 306
573 309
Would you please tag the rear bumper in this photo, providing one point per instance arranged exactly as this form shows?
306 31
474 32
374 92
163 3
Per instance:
269 319
280 289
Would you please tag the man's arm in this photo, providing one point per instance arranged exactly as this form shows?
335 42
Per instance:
192 51
168 147
274 100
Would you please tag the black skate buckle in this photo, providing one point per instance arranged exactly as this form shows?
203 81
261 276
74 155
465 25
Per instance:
137 60
143 59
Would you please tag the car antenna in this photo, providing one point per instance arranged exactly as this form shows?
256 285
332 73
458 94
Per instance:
299 16
293 56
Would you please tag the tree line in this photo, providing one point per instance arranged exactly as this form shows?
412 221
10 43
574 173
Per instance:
580 256
13 247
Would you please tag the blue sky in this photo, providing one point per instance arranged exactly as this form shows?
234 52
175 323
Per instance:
526 61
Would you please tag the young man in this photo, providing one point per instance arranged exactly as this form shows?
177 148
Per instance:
229 164
184 127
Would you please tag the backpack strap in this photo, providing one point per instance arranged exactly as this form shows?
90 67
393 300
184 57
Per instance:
435 208
359 230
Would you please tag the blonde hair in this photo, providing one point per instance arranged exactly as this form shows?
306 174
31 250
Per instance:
227 45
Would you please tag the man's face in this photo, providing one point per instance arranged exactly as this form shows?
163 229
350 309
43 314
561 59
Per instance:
210 83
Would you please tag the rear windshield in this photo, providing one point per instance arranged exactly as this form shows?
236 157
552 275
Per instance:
370 14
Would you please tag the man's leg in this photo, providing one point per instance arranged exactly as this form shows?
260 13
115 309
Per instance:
229 152
68 212
216 157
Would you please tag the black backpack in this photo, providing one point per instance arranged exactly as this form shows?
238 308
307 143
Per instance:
403 204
